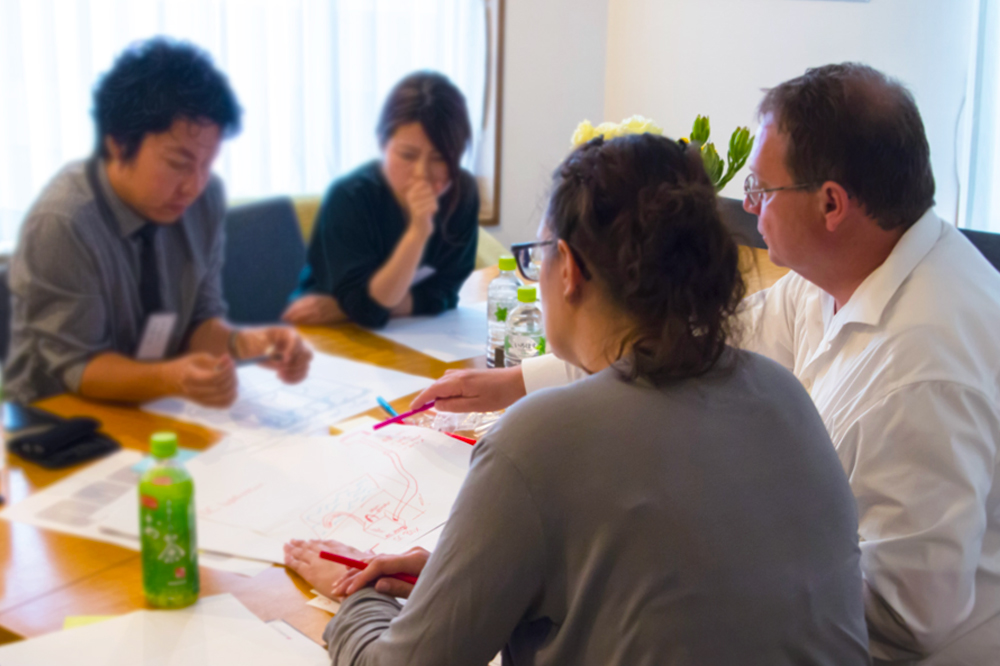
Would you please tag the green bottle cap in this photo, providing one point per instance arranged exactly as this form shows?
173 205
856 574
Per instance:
507 263
163 444
526 294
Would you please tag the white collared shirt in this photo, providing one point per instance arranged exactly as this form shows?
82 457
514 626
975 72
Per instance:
907 379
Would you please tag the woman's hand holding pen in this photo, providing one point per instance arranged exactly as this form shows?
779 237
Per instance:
337 580
378 573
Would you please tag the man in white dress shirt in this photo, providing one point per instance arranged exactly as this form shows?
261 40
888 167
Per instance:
891 319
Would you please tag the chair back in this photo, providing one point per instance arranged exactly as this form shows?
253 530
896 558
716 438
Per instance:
741 224
4 314
988 245
264 256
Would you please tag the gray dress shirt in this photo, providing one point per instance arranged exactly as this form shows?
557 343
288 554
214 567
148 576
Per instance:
74 281
609 522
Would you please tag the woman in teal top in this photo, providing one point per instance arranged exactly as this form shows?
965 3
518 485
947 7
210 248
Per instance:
397 236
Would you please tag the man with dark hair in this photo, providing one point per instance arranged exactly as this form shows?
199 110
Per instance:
889 318
116 282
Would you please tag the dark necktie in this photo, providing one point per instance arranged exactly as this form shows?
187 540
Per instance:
149 278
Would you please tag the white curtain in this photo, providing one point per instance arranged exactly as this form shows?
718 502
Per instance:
311 76
981 204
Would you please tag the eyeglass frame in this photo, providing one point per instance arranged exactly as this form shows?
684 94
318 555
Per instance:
754 195
522 254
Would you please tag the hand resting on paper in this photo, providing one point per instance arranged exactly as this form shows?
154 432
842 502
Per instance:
474 390
303 558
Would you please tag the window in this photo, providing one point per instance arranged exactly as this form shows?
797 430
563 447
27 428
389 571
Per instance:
311 76
980 208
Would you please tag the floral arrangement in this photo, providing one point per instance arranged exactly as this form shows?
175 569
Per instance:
634 125
740 143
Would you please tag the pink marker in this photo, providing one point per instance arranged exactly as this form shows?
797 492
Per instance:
398 419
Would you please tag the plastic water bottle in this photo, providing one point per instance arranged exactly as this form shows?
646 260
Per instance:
167 528
501 299
525 337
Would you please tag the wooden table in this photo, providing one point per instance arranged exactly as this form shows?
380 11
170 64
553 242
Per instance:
45 576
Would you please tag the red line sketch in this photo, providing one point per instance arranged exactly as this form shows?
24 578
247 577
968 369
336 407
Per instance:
386 505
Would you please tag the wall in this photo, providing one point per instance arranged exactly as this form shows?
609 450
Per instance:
673 60
554 68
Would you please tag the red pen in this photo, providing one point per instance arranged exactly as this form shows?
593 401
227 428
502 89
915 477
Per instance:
461 438
358 564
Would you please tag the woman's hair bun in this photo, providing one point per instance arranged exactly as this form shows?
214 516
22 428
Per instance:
642 214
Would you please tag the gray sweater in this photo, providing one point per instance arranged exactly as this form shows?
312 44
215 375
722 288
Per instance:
607 522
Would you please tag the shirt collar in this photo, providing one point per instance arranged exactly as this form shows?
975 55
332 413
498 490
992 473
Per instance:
128 220
870 299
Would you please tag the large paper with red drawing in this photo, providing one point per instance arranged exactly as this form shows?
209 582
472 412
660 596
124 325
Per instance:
379 490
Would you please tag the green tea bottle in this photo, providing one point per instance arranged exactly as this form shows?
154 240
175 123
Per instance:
167 528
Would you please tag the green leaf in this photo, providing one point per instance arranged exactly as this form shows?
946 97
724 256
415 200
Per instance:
541 345
501 314
740 145
701 130
713 163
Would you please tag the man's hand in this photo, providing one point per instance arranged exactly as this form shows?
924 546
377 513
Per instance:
421 204
379 570
474 390
314 310
203 378
303 558
291 356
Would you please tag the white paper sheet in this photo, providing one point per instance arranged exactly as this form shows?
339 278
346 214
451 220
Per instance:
237 565
450 336
379 490
335 390
216 630
295 639
350 425
79 503
324 603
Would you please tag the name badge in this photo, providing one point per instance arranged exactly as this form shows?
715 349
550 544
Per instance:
156 336
422 274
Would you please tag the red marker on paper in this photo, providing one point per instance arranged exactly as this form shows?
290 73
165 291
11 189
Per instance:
461 438
358 564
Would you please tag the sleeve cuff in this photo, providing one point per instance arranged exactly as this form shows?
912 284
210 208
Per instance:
548 371
73 375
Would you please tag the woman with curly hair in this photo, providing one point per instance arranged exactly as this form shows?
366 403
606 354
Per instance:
680 505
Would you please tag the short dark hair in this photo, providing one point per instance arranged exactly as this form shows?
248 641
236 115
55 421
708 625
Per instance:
152 84
854 125
642 214
431 99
